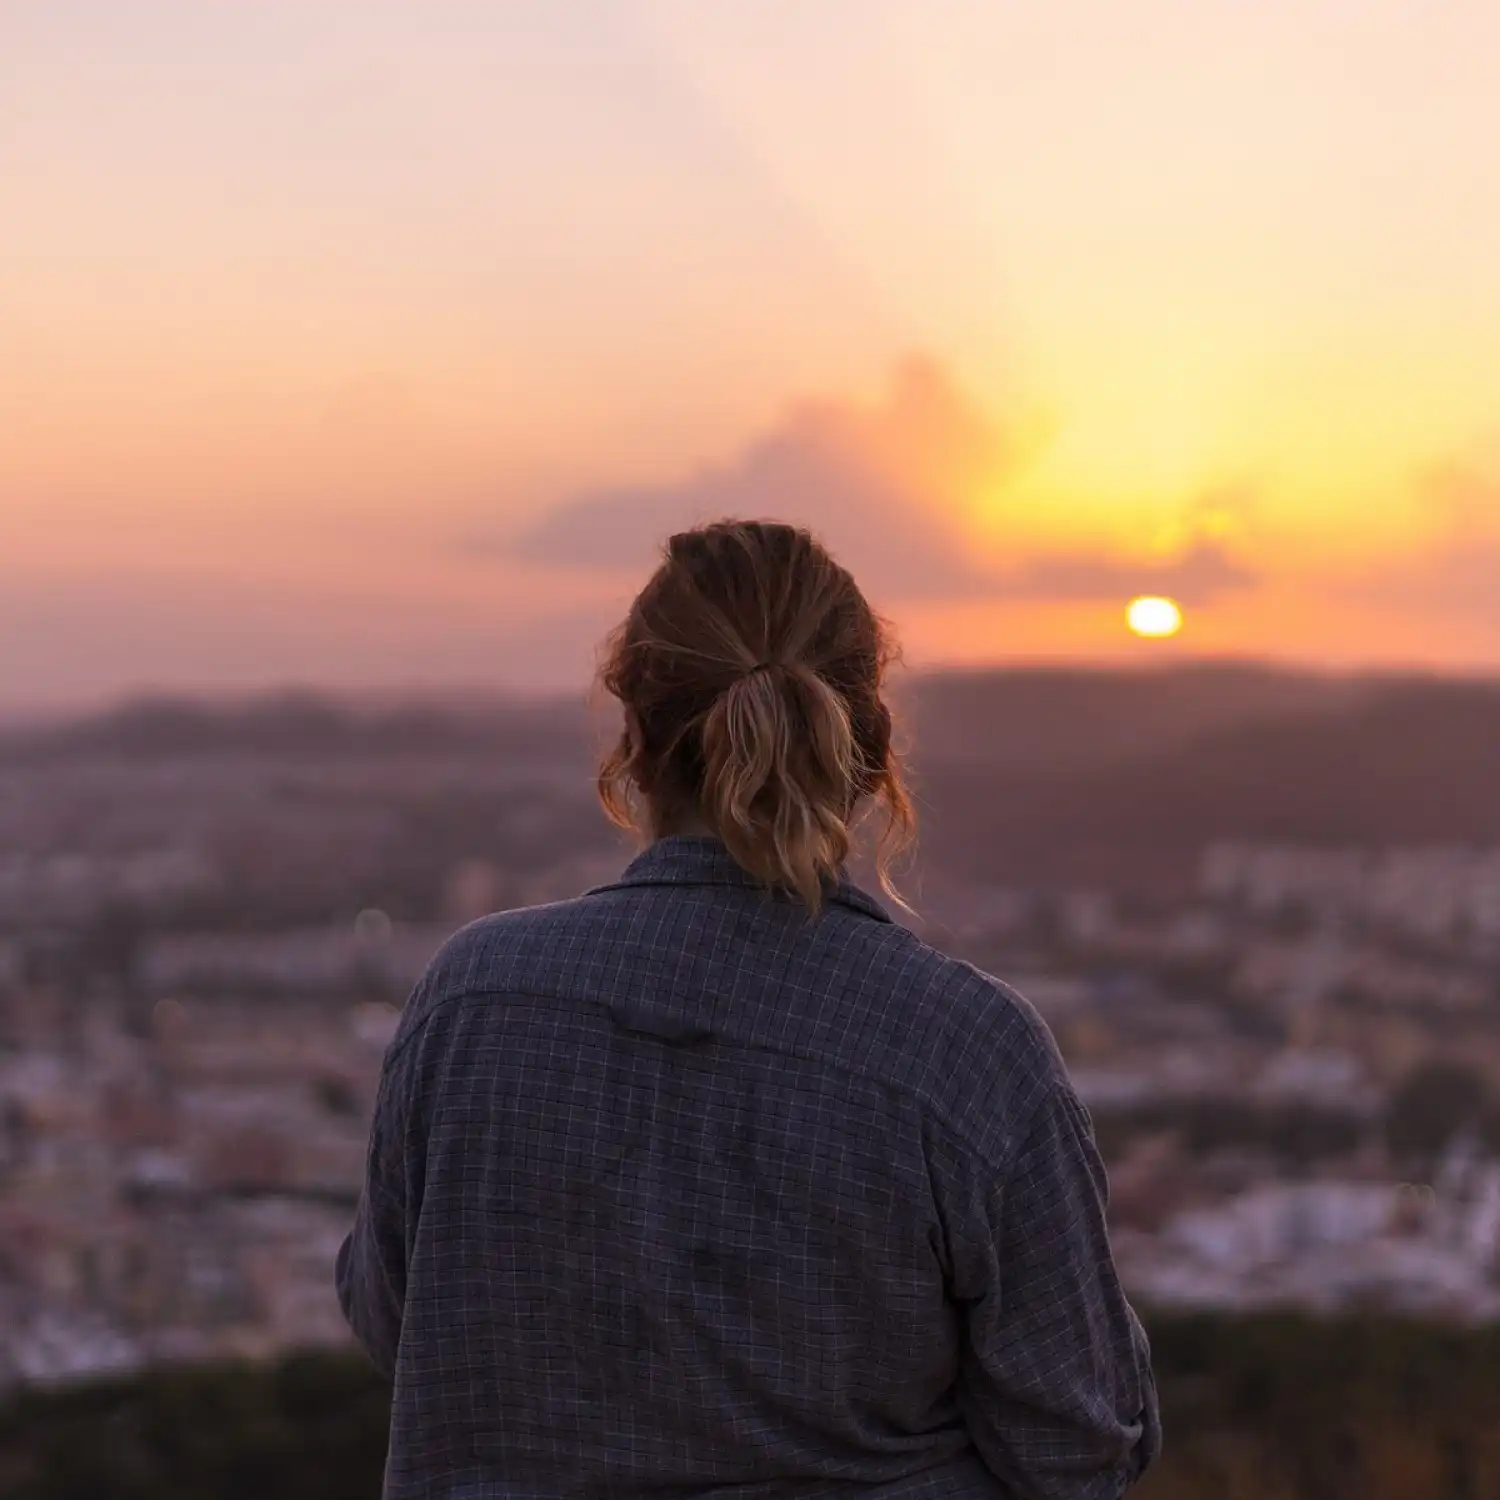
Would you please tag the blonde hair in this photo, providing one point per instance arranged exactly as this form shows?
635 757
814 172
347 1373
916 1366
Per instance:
751 669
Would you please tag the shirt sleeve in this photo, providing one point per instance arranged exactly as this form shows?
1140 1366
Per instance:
370 1272
1056 1384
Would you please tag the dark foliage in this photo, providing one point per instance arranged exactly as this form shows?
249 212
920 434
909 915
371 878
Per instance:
1268 1408
1359 1408
313 1426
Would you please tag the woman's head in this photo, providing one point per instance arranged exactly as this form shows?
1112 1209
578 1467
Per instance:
750 669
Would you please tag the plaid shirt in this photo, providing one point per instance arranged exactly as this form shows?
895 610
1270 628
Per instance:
674 1191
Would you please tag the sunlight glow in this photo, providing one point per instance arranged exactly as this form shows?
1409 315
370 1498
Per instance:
1154 618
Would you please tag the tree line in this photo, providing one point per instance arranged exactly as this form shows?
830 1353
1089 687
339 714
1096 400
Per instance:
1275 1407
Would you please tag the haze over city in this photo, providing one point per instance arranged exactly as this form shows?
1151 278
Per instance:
378 345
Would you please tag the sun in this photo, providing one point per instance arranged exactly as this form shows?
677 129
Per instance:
1153 617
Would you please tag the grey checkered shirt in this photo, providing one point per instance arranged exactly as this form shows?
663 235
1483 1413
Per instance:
674 1191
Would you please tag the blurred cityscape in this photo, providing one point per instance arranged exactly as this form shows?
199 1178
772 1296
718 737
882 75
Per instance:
1260 912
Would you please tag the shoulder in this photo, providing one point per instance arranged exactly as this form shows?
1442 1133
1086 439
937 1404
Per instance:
861 995
983 1057
512 951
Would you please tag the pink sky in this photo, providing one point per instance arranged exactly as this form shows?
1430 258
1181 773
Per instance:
377 343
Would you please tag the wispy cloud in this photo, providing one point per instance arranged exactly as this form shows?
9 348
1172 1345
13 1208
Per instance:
879 484
887 487
1194 577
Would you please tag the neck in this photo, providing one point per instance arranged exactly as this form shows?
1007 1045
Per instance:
688 825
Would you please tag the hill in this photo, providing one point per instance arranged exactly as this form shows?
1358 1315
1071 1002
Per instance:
1368 762
303 723
1075 720
1039 775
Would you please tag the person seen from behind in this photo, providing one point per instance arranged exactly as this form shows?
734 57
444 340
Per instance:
717 1180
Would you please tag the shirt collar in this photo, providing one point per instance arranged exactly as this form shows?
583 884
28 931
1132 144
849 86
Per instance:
690 859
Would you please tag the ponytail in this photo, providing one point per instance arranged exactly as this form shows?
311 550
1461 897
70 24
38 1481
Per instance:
779 765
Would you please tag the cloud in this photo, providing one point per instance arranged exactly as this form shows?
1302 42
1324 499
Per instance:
1196 577
878 484
886 487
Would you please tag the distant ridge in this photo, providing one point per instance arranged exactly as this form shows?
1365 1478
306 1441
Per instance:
1046 715
1075 719
1030 776
301 722
1139 784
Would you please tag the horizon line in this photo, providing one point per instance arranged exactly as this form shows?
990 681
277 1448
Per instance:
86 707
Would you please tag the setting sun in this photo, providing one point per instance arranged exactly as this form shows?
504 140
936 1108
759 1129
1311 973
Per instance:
326 428
1154 618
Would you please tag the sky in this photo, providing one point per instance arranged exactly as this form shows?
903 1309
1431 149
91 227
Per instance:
379 344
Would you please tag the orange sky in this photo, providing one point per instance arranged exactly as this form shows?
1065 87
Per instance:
376 343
